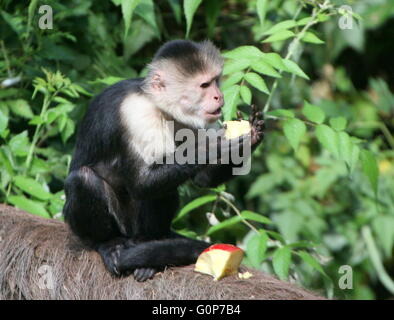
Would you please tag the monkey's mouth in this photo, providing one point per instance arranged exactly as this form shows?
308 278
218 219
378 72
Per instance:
215 114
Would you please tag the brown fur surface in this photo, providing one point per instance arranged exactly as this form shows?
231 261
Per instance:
28 242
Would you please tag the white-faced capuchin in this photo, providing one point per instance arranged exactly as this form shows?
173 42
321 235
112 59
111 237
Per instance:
120 201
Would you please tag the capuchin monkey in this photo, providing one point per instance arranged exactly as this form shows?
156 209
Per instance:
120 200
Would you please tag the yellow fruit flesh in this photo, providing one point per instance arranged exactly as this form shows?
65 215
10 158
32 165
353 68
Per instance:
236 128
219 263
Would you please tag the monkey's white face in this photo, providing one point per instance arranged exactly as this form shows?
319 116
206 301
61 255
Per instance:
195 102
211 98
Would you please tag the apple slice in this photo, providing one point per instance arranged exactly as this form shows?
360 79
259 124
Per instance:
219 260
236 128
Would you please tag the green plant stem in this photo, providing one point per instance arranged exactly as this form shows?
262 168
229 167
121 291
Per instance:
292 47
238 213
47 101
375 259
6 61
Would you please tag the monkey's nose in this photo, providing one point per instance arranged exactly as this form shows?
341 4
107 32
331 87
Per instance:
219 100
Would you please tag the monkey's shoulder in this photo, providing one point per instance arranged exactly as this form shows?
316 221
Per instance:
113 96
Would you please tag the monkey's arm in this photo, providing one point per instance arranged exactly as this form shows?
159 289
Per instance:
213 175
217 174
159 178
155 179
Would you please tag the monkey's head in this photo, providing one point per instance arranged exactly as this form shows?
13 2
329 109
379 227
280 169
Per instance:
183 81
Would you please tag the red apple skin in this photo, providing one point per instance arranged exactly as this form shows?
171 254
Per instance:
222 246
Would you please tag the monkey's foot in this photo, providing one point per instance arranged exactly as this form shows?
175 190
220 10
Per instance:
110 255
143 274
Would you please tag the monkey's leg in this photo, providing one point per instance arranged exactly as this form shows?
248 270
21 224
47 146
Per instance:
158 254
93 213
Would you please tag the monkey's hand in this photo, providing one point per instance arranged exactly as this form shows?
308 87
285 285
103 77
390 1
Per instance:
213 147
257 126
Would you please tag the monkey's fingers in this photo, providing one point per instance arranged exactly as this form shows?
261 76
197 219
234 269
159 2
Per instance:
258 124
143 274
253 109
239 115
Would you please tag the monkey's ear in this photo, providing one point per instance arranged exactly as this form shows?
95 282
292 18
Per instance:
157 82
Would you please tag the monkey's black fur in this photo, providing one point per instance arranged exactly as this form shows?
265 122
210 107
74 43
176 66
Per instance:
116 210
186 54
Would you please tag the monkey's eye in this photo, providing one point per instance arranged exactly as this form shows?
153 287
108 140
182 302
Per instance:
205 85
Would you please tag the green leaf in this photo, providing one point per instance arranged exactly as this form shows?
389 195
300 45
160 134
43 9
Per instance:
376 260
108 80
231 96
383 227
249 215
281 262
280 36
176 9
276 236
370 168
225 224
235 65
146 10
261 10
28 205
194 205
3 121
311 38
21 108
212 10
328 138
338 123
67 130
128 7
36 120
244 52
293 68
19 144
16 22
5 160
265 68
246 94
256 248
31 12
256 81
32 187
311 261
233 79
304 21
355 157
294 130
313 113
281 26
345 147
274 60
190 8
281 113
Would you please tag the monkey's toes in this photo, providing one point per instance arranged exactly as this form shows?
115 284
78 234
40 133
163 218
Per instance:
143 274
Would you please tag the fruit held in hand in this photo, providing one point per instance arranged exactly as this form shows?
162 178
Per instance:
219 260
236 128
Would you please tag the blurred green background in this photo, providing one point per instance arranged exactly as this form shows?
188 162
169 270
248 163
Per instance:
302 212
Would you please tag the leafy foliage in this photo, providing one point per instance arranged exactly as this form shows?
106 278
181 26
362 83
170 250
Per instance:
320 192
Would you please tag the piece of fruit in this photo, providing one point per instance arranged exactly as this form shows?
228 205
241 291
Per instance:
219 260
236 128
245 275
